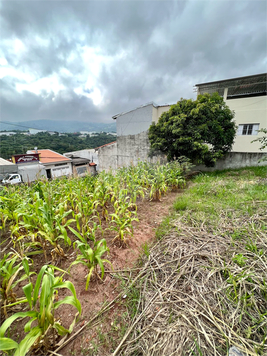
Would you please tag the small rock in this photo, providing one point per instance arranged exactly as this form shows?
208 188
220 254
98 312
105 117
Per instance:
233 351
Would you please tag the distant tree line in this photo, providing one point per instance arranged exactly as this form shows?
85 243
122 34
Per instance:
20 143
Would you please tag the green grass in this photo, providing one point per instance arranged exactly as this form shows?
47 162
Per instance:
232 192
230 204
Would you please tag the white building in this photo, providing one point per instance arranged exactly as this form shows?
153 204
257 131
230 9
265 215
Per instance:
132 137
7 133
56 165
247 97
139 119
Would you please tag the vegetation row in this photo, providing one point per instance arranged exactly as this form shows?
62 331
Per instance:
52 219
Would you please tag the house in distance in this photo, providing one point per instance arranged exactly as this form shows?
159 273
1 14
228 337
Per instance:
247 96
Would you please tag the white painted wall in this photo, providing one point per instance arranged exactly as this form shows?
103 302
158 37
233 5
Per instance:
251 110
158 111
89 154
59 171
135 121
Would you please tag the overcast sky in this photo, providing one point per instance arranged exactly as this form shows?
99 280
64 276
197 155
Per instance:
89 60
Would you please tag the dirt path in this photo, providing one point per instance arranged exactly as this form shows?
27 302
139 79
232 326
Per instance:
150 215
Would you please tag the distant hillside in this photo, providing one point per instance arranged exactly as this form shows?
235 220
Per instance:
21 143
59 126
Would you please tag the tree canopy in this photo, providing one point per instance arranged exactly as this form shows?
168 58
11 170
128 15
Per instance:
20 143
202 130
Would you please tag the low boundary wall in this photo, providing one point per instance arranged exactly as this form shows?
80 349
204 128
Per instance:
236 160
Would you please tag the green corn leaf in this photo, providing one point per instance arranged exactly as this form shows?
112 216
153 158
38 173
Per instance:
61 330
45 292
73 323
27 327
68 285
100 263
77 262
38 283
80 237
12 318
88 277
7 344
26 266
16 303
69 300
28 341
28 293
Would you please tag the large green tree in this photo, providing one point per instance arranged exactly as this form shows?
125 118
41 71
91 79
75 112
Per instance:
202 130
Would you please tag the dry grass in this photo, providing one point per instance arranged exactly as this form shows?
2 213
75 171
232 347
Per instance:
204 289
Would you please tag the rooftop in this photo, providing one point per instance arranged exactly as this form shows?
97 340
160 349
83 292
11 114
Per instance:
105 145
49 156
4 162
241 86
139 107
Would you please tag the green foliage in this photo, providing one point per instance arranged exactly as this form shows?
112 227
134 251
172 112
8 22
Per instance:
20 143
9 272
90 257
239 259
41 300
263 141
202 130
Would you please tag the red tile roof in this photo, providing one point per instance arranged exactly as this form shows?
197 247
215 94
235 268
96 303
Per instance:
48 156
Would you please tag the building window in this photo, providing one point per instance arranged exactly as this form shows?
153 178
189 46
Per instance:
248 129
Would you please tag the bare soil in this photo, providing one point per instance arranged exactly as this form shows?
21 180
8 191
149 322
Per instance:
150 215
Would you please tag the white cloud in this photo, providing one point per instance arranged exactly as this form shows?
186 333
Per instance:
49 84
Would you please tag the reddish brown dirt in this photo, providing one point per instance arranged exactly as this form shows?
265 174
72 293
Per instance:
150 215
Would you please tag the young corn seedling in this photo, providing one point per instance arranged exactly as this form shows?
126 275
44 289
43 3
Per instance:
43 313
122 223
158 185
90 257
9 271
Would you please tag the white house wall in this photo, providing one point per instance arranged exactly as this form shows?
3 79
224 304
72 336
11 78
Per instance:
134 122
59 171
91 154
158 111
251 110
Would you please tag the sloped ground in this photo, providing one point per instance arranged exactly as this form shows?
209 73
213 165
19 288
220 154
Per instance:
203 287
101 336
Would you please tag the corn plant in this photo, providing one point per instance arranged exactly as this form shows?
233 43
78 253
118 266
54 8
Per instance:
90 257
122 220
174 175
102 195
42 312
9 272
48 221
158 184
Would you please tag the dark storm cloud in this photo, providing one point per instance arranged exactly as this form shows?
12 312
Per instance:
148 50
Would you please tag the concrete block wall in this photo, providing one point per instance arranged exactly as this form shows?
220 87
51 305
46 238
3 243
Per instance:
107 157
126 151
236 160
134 148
